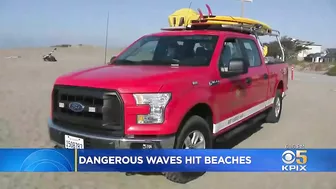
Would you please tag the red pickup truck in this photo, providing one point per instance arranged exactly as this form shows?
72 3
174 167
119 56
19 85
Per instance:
172 89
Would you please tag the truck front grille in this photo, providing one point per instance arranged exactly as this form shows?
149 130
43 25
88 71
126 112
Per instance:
102 110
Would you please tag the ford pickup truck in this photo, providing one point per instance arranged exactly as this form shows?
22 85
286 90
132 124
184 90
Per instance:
179 88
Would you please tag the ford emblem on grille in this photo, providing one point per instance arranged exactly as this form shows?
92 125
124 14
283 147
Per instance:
76 107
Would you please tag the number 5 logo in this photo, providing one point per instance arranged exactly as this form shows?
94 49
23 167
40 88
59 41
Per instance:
301 157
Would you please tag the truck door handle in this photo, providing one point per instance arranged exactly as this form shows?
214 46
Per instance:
265 76
248 80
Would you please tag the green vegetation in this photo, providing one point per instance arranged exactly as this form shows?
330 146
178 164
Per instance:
311 66
332 71
296 62
292 47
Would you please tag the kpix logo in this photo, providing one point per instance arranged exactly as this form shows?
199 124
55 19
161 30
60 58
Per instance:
295 160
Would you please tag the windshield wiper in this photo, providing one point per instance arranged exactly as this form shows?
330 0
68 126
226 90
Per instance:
160 62
148 62
127 62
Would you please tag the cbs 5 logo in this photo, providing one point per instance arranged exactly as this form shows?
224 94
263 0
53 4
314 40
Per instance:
300 156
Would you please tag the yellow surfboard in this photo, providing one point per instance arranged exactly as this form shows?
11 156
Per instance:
186 16
231 20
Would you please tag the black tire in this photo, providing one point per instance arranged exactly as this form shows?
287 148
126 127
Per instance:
272 117
194 123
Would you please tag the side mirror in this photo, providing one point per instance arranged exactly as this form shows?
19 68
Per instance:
112 59
235 67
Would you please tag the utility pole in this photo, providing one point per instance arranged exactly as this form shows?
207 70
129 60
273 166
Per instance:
106 34
242 6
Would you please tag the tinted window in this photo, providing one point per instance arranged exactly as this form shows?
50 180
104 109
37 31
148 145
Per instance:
196 50
252 52
230 51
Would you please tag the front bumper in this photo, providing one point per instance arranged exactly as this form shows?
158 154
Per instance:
57 132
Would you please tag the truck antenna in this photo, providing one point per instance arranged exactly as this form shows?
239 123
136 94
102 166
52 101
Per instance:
187 19
106 35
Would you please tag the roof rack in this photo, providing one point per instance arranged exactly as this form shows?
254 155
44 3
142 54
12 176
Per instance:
188 19
241 28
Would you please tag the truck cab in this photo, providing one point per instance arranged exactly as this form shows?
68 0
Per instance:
179 88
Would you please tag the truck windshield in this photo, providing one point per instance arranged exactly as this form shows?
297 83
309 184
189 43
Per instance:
195 50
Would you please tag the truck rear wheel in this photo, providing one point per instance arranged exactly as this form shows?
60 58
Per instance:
274 113
195 134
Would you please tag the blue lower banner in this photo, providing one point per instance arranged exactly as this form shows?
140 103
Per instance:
232 160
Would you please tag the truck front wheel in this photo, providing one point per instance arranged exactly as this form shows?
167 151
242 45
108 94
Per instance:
274 113
195 134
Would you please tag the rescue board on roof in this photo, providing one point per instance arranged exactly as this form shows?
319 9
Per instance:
182 17
187 16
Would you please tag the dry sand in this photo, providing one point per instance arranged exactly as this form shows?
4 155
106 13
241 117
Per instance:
25 87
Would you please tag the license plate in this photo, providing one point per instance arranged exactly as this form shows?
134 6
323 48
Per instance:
72 142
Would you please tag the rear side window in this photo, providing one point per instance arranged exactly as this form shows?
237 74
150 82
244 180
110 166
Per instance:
252 52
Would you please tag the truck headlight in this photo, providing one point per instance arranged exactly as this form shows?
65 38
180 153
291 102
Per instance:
157 103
